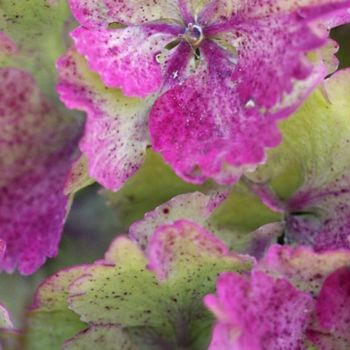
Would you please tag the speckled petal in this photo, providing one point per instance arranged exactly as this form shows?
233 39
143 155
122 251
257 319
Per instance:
115 137
271 57
303 267
194 206
97 13
125 58
220 11
307 8
202 128
173 247
261 31
333 312
258 313
309 170
78 177
35 158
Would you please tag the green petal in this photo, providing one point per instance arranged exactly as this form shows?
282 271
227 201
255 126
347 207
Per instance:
50 322
164 299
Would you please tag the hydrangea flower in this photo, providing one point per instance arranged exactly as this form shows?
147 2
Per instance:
221 74
274 307
38 145
306 179
258 313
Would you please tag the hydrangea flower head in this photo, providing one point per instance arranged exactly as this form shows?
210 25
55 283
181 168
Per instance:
259 314
221 73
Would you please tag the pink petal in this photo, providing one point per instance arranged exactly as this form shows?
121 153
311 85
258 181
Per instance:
257 9
302 266
125 58
339 18
272 39
115 137
194 206
202 128
37 144
271 56
260 313
333 312
7 46
169 242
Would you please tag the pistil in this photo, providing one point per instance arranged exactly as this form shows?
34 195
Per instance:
193 35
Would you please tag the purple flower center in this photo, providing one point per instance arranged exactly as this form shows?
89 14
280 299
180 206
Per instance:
193 35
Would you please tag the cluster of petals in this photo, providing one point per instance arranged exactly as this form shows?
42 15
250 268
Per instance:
293 298
203 82
316 147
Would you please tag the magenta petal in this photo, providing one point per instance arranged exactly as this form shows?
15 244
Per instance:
333 312
260 313
202 128
339 18
115 137
124 58
37 143
272 39
271 57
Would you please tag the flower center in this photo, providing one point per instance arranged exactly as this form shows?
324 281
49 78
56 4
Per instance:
193 35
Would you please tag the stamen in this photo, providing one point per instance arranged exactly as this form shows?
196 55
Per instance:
193 35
